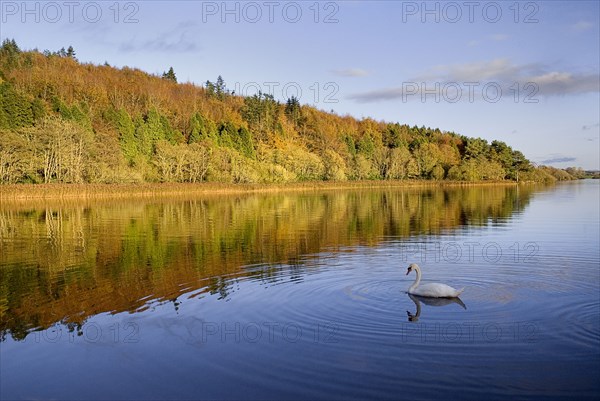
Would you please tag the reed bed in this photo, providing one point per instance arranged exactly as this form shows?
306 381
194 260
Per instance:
33 192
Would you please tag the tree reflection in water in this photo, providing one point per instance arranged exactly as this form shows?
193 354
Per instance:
66 262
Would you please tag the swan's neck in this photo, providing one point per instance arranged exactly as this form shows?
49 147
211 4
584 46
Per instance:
417 280
417 306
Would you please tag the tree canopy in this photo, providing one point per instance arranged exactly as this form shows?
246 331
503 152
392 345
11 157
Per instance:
66 121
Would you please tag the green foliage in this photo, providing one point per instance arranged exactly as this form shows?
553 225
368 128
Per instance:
398 159
240 139
9 48
9 53
519 164
38 109
366 146
226 134
170 75
127 134
169 133
217 89
71 53
350 144
261 111
148 131
475 148
16 110
293 111
152 128
58 106
427 156
244 144
202 129
395 135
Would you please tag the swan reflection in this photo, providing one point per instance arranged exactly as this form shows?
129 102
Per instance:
430 302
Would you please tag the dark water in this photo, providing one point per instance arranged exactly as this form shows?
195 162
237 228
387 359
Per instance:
302 296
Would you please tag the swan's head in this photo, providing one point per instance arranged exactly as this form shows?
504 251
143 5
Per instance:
411 267
411 317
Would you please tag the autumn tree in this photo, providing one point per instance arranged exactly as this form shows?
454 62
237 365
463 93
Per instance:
427 156
62 148
62 121
398 163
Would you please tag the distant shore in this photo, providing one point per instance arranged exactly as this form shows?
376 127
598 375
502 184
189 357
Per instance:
24 192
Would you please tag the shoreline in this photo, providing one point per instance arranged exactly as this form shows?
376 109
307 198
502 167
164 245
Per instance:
31 192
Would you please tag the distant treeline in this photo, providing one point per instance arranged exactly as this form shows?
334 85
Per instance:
67 122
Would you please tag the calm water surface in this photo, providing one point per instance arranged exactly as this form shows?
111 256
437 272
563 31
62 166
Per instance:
303 296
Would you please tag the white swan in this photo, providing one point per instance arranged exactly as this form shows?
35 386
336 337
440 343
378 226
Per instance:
433 290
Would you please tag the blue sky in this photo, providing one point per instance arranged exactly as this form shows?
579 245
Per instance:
523 72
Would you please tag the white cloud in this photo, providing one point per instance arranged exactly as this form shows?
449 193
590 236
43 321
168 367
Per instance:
533 80
581 26
496 69
176 40
499 37
351 72
557 158
591 126
563 83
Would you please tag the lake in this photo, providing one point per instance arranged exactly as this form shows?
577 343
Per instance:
302 295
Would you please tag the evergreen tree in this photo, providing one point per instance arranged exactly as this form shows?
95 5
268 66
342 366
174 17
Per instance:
9 47
220 88
15 109
201 129
170 75
217 89
148 131
127 139
475 148
71 53
519 164
293 110
9 53
210 88
261 111
244 143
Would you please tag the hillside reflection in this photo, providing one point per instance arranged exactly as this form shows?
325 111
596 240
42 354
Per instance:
68 262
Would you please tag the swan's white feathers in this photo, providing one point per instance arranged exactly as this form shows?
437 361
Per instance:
433 290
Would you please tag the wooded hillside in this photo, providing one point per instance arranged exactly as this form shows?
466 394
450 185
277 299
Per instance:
70 122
